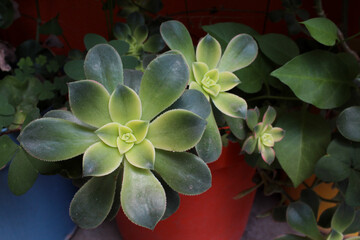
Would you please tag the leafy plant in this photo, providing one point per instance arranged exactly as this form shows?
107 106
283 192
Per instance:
124 139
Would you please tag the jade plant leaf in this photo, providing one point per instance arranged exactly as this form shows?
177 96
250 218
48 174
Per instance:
120 46
193 101
91 39
162 84
124 105
208 51
173 166
100 160
343 217
142 155
239 53
301 218
75 69
22 175
277 47
56 139
7 149
231 105
144 204
103 64
325 83
303 132
178 38
210 146
89 102
322 30
154 44
189 129
92 203
348 123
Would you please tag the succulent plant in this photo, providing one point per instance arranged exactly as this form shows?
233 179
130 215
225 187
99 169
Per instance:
211 73
264 135
132 146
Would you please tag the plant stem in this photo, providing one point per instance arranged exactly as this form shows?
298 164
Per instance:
266 16
273 97
38 21
352 37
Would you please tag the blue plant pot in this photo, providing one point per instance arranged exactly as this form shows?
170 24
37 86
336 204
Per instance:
40 214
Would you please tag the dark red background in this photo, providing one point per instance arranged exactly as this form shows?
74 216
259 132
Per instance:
79 17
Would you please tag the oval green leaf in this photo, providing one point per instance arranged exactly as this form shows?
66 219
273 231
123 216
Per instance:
92 39
231 105
343 217
103 64
142 155
322 30
208 51
348 123
75 69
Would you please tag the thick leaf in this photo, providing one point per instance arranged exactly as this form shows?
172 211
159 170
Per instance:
154 44
252 118
305 141
142 196
120 46
75 69
130 62
103 64
172 200
353 191
231 105
301 218
176 130
139 128
135 19
142 155
224 32
355 225
92 39
89 102
141 33
210 146
325 83
92 203
237 126
124 105
100 160
309 197
7 150
227 81
343 217
322 30
208 51
177 37
277 47
194 101
116 203
269 116
253 76
335 166
66 115
348 123
109 133
163 82
121 31
22 175
249 145
239 53
132 79
56 139
199 71
335 235
184 172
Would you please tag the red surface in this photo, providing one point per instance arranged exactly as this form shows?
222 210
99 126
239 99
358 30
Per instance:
213 215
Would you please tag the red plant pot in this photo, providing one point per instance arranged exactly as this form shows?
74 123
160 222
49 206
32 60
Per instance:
213 215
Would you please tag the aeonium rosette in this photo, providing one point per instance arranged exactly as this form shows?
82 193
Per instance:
211 72
132 146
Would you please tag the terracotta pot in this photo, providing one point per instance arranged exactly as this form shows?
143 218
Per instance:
213 215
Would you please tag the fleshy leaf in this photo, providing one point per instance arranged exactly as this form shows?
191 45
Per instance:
56 139
100 159
194 101
89 102
132 79
139 128
141 33
109 133
196 86
301 218
184 172
22 175
268 154
66 115
269 116
75 69
163 82
239 53
177 37
142 196
7 149
124 105
154 44
120 46
92 39
252 118
208 51
103 64
249 145
231 105
227 81
199 70
135 19
210 146
142 155
348 123
353 191
92 203
237 126
123 146
121 31
343 217
176 130
322 30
